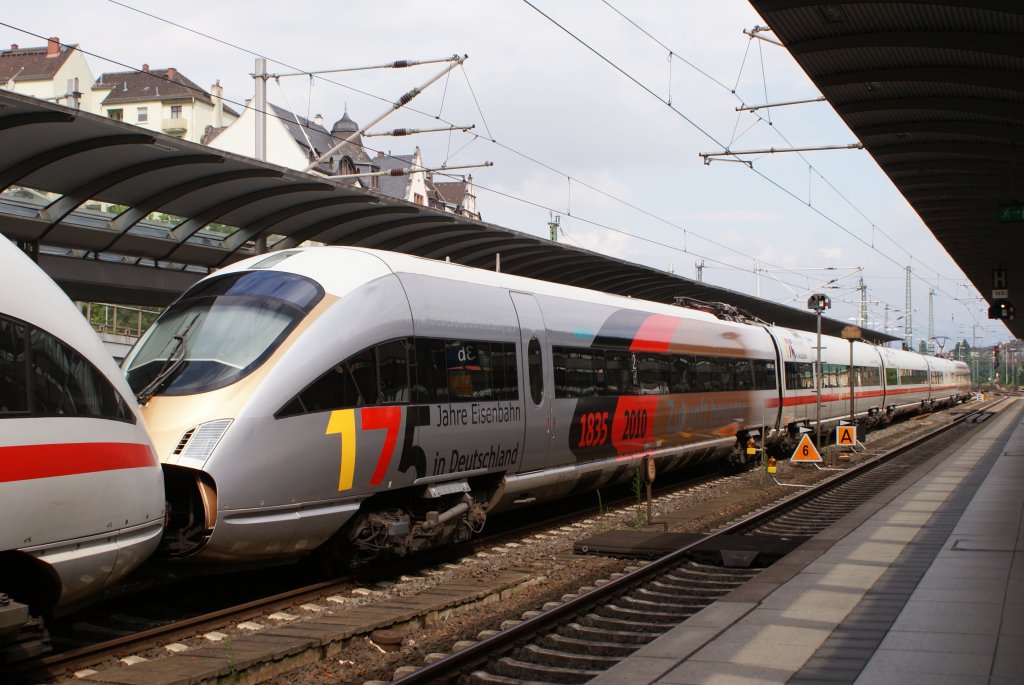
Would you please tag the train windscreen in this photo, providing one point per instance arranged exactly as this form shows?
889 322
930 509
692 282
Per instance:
218 332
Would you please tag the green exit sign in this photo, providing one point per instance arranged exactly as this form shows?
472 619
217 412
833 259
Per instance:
1011 213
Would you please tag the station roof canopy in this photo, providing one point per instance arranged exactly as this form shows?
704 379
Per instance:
55 161
935 92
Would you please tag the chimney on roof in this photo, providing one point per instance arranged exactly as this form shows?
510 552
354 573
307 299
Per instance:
14 46
52 46
319 119
171 73
380 154
217 95
145 67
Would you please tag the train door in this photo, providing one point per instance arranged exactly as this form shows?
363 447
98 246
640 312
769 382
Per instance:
538 392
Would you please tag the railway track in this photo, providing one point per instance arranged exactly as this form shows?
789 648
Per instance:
690 588
575 640
129 625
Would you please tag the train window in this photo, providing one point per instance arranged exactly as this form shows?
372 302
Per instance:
506 376
891 376
617 377
393 371
13 369
679 374
764 374
362 368
64 383
712 375
652 373
535 364
431 371
579 374
799 376
559 364
744 375
469 370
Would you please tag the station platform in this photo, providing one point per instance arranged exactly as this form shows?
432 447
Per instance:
924 583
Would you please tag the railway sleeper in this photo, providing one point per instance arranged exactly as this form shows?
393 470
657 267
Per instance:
618 625
676 598
658 606
705 581
710 571
585 630
645 619
546 674
684 592
485 678
578 646
568 659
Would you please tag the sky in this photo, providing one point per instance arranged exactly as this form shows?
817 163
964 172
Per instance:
595 111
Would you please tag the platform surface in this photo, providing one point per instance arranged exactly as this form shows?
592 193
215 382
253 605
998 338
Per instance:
922 584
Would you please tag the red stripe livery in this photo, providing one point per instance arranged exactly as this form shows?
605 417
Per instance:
27 462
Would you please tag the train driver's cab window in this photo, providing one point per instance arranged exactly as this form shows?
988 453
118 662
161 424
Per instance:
42 376
536 371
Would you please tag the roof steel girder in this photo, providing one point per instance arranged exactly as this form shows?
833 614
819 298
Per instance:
986 151
511 259
186 229
133 215
948 103
618 283
246 233
564 264
507 245
437 248
17 171
426 236
33 118
767 6
469 245
56 211
363 237
981 77
315 230
986 43
1007 132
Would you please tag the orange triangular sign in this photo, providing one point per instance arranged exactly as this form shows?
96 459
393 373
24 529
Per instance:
805 451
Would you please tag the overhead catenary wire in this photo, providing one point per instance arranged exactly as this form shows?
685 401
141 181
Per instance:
491 139
775 128
483 120
712 138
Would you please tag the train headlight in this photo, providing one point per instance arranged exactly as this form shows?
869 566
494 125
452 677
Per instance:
198 443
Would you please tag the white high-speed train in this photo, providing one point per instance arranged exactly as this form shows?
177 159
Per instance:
366 403
81 489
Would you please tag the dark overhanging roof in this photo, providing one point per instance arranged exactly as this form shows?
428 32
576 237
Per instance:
220 203
935 92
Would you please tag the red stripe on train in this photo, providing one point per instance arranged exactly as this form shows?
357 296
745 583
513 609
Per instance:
28 462
655 333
